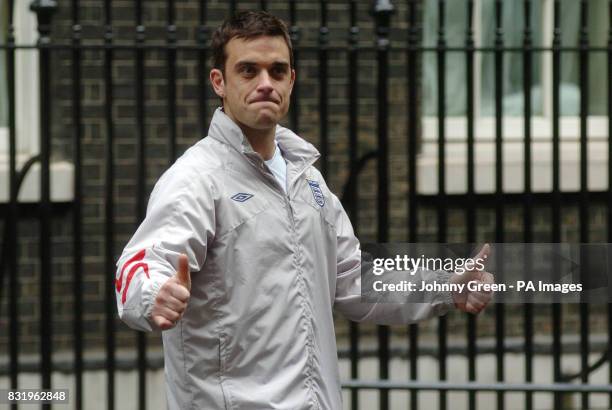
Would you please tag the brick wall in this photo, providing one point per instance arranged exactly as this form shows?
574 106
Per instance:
188 131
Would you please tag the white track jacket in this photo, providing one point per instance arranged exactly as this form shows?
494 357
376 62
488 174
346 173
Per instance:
267 268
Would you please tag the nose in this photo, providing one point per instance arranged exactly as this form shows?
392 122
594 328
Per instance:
265 82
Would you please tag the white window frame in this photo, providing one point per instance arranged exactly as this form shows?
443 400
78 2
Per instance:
27 119
513 150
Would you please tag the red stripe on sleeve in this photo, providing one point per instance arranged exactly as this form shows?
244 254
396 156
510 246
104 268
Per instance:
142 265
136 258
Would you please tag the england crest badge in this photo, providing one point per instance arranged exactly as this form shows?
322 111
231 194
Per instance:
317 193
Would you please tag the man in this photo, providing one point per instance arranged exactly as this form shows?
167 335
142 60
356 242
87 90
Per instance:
244 250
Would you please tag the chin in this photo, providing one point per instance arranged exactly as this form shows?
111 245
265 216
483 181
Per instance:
266 121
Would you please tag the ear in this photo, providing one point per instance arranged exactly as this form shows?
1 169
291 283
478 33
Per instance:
216 79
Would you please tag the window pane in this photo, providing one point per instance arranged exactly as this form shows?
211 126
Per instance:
513 26
570 61
455 73
599 23
3 93
570 27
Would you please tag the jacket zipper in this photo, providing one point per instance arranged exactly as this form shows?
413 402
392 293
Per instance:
298 255
261 167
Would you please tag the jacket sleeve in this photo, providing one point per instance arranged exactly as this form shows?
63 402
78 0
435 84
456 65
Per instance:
348 299
180 219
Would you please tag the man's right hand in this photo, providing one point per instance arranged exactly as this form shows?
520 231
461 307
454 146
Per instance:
172 298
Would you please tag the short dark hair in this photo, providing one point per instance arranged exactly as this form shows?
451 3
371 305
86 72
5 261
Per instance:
247 25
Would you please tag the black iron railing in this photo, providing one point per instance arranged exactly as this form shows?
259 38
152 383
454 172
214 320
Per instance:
383 14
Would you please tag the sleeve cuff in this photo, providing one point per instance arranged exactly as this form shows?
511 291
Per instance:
149 300
445 298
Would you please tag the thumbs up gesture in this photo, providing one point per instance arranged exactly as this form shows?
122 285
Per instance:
172 298
473 301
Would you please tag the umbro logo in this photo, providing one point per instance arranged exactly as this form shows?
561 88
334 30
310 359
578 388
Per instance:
242 196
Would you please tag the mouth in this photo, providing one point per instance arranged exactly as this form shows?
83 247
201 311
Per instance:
265 100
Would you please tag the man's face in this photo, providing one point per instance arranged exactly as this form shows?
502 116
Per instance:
257 83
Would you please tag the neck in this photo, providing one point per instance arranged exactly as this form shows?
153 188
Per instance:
262 141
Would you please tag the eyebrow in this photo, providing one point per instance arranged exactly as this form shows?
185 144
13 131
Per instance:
282 64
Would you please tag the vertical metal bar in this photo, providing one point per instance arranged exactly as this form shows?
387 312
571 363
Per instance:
44 11
442 212
353 209
202 39
233 5
499 189
584 112
609 202
412 120
412 127
528 197
109 213
11 221
469 81
77 208
353 106
584 189
499 95
441 71
556 191
323 130
471 202
263 4
294 32
171 80
141 190
413 354
527 84
556 75
382 14
354 358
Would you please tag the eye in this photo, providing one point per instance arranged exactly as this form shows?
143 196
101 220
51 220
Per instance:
279 71
247 70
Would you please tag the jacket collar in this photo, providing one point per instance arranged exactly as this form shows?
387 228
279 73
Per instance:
294 148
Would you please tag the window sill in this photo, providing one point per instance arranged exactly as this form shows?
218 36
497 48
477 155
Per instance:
62 175
514 168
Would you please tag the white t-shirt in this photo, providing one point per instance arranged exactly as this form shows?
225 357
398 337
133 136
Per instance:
278 166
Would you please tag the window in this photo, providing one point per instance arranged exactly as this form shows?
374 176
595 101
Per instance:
26 110
26 86
513 98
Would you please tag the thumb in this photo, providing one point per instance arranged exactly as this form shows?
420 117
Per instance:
183 275
483 254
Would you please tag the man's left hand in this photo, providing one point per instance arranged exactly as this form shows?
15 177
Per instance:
473 301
